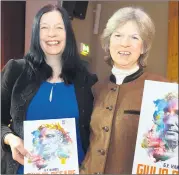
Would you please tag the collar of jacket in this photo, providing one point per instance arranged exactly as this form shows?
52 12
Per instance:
128 78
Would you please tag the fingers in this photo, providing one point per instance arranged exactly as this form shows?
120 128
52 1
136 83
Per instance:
19 155
18 151
20 148
16 155
23 151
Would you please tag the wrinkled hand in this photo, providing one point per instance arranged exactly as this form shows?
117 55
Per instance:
17 148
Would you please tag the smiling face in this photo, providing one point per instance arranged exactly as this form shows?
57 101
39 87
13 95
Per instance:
126 46
52 33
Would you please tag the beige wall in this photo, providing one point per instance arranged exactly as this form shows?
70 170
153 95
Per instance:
83 30
157 60
32 7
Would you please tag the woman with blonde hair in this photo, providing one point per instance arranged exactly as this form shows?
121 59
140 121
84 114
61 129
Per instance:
127 40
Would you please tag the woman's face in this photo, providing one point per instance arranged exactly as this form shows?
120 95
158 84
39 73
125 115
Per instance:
126 46
52 33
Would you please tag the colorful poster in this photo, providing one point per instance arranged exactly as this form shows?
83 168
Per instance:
158 132
53 147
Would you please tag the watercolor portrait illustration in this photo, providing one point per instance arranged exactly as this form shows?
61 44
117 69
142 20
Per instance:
156 150
52 145
161 141
50 141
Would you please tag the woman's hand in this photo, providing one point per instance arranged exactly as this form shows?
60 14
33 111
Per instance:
17 148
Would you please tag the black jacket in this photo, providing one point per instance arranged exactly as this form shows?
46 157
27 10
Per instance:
16 94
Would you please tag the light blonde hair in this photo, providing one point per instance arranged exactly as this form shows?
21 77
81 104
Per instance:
145 25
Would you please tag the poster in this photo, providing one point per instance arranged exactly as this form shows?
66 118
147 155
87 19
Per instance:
157 142
52 145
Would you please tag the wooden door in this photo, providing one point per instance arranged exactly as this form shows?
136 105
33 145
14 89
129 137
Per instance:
12 30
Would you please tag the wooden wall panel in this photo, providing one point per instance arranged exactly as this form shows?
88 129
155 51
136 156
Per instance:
172 67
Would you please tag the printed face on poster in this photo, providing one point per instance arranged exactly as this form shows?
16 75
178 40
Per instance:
53 147
157 140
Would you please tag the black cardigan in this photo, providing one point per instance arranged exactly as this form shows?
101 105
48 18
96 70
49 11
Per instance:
16 94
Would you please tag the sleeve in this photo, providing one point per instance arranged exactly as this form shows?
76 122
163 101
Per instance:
8 78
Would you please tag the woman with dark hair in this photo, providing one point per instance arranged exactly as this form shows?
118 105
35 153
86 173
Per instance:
49 83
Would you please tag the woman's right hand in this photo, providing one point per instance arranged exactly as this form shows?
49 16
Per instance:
17 147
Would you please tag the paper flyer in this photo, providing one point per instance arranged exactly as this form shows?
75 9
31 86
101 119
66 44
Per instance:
157 142
53 146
